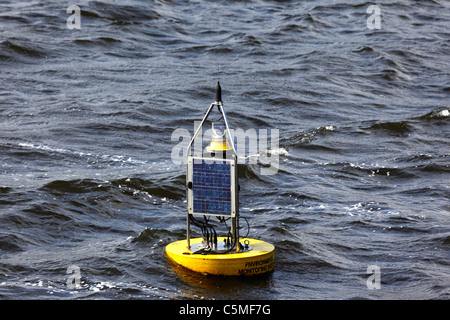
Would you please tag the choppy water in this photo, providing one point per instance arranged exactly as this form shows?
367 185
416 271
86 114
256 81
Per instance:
86 117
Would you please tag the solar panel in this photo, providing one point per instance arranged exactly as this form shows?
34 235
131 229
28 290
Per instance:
212 190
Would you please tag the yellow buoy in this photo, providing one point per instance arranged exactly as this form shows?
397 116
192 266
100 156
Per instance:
258 260
212 190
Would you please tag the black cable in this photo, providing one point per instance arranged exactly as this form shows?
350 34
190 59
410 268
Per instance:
210 235
248 227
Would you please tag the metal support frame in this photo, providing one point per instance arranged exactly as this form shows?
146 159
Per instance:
235 204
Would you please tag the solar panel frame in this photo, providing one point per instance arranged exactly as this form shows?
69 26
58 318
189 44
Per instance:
213 190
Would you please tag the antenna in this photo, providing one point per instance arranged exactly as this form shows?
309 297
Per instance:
218 72
218 93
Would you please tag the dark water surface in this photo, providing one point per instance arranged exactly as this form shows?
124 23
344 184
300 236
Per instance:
86 118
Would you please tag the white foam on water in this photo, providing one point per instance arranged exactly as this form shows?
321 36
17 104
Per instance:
444 113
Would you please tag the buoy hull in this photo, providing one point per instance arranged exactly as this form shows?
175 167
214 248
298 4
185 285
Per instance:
259 260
